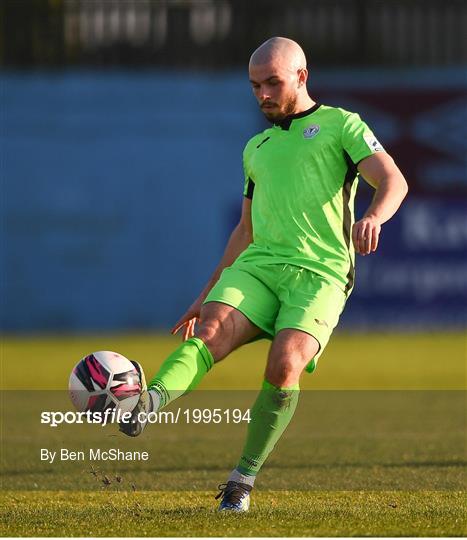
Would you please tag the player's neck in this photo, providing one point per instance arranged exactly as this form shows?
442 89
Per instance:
304 104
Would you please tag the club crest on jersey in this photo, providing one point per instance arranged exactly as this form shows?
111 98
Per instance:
311 131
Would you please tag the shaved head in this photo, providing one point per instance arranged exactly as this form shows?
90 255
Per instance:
286 51
278 75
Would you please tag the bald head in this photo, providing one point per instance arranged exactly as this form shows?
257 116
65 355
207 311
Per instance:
278 76
279 50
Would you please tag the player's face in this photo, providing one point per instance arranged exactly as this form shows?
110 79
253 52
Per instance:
276 90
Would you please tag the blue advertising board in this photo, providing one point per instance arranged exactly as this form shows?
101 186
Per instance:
119 192
417 279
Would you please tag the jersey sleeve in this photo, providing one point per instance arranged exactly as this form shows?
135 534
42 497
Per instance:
357 138
248 185
248 188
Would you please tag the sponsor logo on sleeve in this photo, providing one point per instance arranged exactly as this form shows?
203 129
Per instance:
373 143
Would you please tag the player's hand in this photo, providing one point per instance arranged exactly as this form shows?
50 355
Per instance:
365 235
188 320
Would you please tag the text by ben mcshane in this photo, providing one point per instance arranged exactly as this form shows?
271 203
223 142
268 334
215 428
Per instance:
93 454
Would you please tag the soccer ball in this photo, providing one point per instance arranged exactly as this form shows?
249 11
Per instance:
106 380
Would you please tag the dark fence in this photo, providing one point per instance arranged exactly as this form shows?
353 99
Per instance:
222 34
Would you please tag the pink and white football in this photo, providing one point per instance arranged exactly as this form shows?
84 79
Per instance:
104 380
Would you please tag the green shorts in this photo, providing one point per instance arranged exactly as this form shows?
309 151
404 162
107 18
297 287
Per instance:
278 296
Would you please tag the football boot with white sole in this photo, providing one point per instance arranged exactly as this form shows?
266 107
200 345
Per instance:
135 426
235 497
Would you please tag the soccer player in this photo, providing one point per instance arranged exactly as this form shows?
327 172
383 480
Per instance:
288 267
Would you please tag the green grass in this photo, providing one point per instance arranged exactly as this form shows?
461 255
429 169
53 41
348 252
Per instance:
354 361
376 447
285 513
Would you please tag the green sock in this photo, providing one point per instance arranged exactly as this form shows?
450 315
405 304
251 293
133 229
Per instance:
270 415
182 371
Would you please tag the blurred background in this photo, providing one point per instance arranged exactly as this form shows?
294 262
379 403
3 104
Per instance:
122 130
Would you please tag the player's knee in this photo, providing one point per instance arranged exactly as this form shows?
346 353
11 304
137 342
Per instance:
282 374
211 332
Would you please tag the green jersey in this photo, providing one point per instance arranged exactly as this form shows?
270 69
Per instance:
301 176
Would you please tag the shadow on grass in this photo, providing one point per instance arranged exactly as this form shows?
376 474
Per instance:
272 466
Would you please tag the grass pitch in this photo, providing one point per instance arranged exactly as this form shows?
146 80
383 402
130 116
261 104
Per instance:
377 449
285 513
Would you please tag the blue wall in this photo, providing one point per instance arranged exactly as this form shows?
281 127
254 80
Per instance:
119 192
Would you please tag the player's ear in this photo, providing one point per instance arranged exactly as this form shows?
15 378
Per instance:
302 75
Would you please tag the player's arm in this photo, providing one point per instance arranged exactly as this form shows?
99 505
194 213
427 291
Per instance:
380 171
239 240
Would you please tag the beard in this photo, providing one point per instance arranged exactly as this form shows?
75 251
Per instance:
287 108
